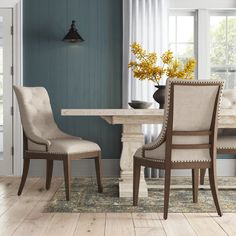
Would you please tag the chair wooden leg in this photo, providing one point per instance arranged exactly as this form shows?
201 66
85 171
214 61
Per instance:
167 191
67 176
49 173
214 189
136 180
24 175
202 176
98 173
195 184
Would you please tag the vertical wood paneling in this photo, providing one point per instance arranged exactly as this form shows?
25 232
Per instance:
86 75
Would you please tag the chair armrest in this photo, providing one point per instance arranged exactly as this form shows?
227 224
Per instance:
155 144
38 140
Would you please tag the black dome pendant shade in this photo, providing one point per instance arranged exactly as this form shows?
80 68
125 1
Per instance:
73 36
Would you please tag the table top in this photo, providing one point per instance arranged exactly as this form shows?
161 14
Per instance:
128 112
143 116
112 112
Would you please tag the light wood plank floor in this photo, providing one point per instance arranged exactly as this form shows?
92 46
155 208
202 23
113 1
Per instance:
23 216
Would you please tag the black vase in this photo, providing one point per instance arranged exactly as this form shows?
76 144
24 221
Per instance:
159 95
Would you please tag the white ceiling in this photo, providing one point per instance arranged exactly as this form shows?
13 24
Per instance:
202 4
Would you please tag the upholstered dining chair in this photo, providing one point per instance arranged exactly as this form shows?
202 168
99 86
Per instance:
226 141
44 140
188 136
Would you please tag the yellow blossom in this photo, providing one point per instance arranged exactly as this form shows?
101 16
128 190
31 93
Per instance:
167 57
180 74
145 66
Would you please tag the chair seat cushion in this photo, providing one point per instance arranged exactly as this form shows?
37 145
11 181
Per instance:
178 155
68 146
72 145
226 142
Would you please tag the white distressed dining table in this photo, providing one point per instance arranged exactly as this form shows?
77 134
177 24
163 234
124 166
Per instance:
133 138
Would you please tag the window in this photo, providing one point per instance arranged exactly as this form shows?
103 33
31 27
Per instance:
209 37
1 71
223 47
182 34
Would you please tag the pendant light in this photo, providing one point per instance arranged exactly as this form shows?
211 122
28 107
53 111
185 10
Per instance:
73 35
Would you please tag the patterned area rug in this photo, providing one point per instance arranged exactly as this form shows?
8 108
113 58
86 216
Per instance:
85 198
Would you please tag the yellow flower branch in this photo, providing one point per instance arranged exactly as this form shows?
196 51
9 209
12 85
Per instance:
145 67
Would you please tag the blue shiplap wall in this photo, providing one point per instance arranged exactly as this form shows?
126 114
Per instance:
86 75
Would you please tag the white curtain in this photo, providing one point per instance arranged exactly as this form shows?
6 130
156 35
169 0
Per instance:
145 22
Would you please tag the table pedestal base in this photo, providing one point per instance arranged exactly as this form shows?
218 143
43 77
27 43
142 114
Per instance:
132 139
126 184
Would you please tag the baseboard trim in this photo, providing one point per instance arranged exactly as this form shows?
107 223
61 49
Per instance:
111 168
85 168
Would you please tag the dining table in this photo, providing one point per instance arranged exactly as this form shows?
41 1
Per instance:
132 136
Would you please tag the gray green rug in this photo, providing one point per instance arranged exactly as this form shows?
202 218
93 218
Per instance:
85 198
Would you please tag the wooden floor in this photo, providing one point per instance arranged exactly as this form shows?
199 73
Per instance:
23 216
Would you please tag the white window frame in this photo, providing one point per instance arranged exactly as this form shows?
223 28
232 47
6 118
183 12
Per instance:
225 13
202 36
16 6
203 42
189 12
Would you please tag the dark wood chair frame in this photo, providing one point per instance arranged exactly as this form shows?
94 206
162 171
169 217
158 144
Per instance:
66 158
168 165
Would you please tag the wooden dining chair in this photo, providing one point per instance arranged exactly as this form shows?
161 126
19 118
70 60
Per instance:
226 141
44 140
188 136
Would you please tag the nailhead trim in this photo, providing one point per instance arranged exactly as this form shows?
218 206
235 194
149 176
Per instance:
192 161
151 159
49 153
58 153
162 161
226 148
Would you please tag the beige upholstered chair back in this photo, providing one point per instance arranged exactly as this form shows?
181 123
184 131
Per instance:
36 114
229 99
193 106
192 103
228 102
